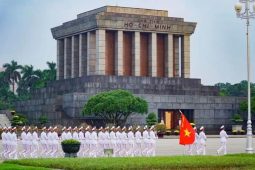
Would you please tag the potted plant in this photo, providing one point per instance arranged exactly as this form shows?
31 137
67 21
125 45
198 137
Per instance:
151 119
70 147
161 129
237 124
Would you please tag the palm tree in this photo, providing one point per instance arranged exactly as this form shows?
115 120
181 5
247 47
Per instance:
29 76
12 73
51 71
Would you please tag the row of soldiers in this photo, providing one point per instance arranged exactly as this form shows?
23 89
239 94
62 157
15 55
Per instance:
122 141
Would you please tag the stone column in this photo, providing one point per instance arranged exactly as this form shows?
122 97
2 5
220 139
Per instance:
100 52
91 53
176 56
169 64
75 56
60 59
67 57
185 56
136 69
119 53
82 54
153 54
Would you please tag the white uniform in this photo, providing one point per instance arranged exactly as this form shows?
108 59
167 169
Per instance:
75 135
113 140
4 143
13 146
8 144
146 141
82 140
35 144
195 145
202 143
63 136
124 142
69 135
55 139
93 138
223 142
29 140
107 140
23 141
138 143
101 142
87 143
118 143
43 141
131 143
153 138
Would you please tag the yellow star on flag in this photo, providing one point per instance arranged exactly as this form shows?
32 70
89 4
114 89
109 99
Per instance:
187 133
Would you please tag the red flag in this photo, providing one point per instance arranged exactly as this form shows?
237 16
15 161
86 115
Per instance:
187 133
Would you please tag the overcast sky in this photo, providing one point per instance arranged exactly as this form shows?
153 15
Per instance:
217 46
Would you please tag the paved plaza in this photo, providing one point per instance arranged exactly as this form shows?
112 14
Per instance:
168 147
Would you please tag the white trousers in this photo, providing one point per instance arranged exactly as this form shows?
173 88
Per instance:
223 147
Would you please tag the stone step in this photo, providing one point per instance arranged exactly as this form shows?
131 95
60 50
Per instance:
4 121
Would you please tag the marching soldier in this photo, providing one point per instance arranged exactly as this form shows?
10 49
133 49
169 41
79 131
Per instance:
43 141
87 136
138 142
69 134
55 142
113 140
124 139
118 141
107 138
195 145
101 140
75 133
223 141
202 141
29 143
13 144
4 142
131 142
23 136
49 142
35 146
82 140
93 138
146 141
153 138
64 134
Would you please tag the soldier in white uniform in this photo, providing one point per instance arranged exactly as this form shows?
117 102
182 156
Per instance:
49 142
35 146
69 133
43 141
13 144
29 140
153 139
202 141
94 146
124 142
23 141
4 142
223 141
118 141
87 136
107 138
101 141
75 133
82 141
130 142
195 145
8 142
113 140
55 142
138 142
146 141
63 134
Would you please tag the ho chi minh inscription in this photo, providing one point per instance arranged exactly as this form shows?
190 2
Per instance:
147 25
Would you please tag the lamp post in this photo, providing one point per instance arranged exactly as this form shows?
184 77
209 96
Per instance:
247 15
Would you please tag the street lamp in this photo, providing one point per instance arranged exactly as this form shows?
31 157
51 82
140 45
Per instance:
247 14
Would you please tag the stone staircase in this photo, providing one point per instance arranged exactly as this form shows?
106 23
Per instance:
4 121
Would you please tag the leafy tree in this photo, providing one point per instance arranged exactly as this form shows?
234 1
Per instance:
43 119
12 73
19 120
115 106
151 119
244 106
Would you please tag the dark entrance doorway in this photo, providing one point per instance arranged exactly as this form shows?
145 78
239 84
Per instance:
171 117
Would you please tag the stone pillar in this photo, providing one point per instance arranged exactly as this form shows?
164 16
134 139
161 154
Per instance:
67 57
82 54
119 53
136 69
169 64
153 54
176 56
185 49
91 53
60 59
75 56
100 52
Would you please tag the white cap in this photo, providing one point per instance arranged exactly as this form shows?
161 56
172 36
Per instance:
69 128
101 128
195 128
35 128
64 128
222 127
55 128
152 127
14 128
44 128
75 128
130 128
81 128
23 128
202 128
124 128
112 127
87 128
138 127
94 128
107 127
118 127
145 127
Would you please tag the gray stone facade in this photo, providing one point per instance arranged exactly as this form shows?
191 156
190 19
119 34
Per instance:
62 101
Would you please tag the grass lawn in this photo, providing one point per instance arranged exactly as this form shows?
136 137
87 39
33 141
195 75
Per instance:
7 166
238 161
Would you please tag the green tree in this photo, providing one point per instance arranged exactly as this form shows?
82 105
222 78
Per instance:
244 106
12 73
151 119
115 106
